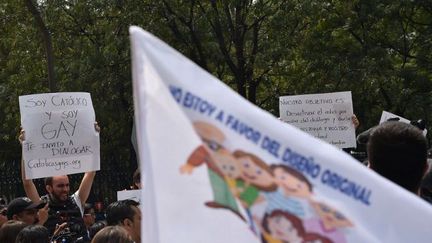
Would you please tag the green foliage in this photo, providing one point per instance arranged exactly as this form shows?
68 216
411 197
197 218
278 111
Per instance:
380 50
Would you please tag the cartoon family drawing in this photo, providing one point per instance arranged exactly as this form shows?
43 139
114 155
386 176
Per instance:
278 200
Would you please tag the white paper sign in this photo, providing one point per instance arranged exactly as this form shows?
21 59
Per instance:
388 115
129 194
325 116
60 136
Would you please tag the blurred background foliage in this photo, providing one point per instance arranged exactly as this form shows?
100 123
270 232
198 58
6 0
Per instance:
379 50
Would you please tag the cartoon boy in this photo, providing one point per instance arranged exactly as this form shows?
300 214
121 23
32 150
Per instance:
213 153
255 177
294 192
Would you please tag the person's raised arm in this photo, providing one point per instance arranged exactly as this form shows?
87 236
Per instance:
29 186
85 186
87 181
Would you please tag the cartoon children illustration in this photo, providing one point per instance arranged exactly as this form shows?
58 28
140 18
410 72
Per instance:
255 177
294 192
282 227
329 223
212 153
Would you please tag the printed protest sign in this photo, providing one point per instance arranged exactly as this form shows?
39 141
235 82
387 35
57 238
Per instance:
324 116
60 135
217 172
129 194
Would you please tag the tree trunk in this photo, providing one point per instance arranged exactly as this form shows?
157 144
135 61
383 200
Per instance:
46 37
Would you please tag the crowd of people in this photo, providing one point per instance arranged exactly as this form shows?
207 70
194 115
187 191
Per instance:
396 150
60 216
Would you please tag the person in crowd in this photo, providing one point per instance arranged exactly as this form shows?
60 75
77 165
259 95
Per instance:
112 234
96 227
10 230
33 234
126 214
136 179
63 207
23 209
3 214
398 152
89 217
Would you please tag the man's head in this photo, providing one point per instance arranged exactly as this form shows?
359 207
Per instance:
34 234
398 151
3 214
89 216
10 230
23 209
58 187
127 214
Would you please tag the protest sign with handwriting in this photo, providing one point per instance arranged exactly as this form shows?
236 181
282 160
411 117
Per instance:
60 135
325 116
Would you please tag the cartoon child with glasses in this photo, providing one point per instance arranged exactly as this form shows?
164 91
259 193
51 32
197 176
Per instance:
219 162
329 222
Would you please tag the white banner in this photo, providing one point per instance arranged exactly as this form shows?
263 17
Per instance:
219 169
325 116
60 135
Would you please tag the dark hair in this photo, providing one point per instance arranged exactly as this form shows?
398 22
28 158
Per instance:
33 234
10 230
112 234
96 227
292 172
118 211
398 151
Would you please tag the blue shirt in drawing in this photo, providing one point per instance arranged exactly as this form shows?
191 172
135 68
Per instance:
295 205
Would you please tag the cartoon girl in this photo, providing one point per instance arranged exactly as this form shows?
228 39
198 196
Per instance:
282 227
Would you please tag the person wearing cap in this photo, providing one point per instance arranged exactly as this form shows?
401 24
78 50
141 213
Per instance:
23 209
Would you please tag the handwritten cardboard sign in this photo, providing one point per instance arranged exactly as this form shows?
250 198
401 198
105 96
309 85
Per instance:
60 135
385 116
129 194
326 116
